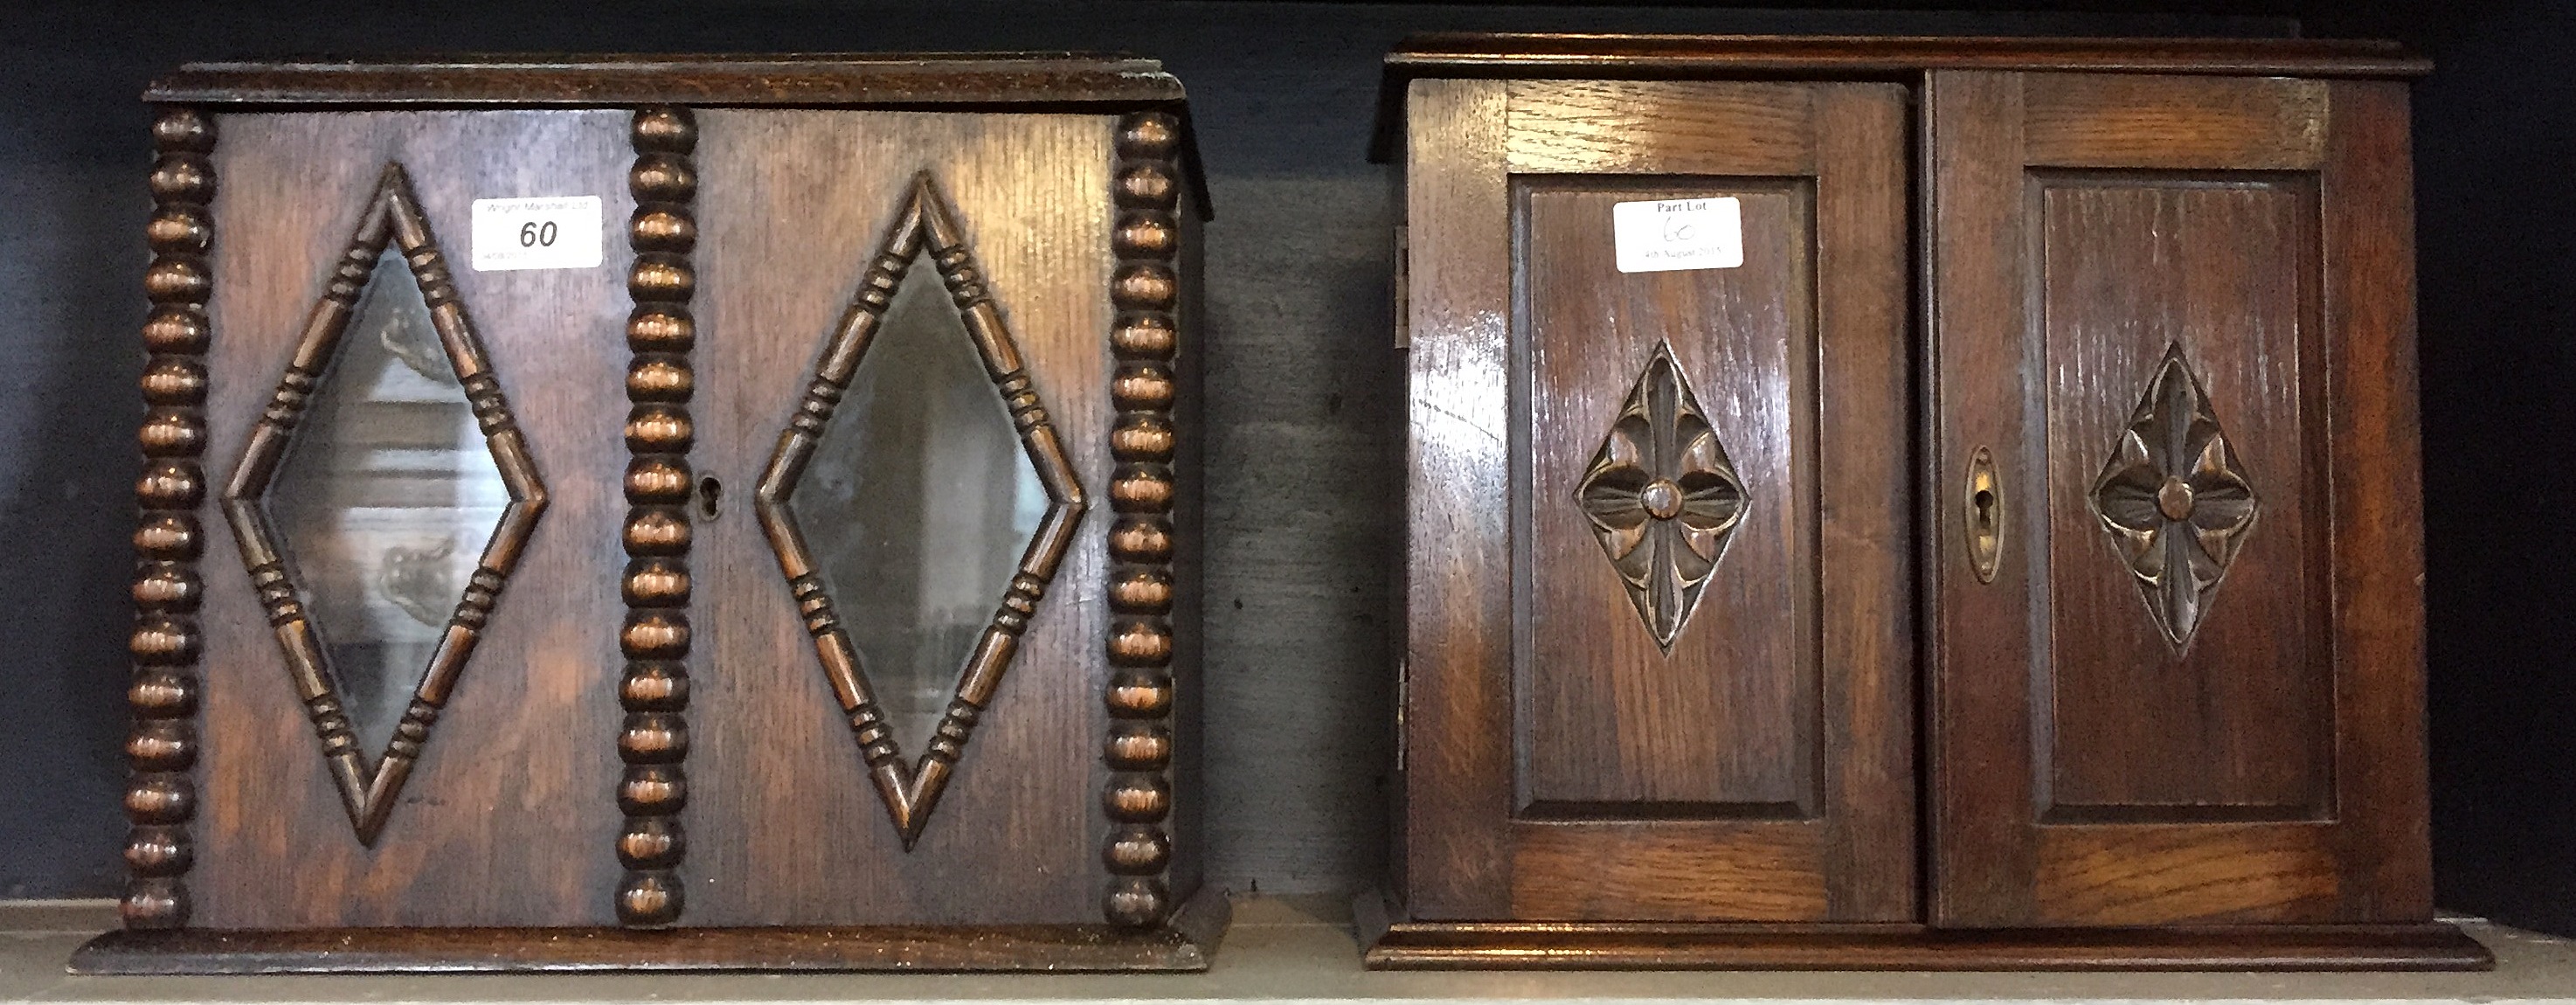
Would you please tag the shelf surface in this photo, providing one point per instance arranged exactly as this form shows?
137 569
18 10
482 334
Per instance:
1279 950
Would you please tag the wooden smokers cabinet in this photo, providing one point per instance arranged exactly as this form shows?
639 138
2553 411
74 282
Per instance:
668 513
1909 503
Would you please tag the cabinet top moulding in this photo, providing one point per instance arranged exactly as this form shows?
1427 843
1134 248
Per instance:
1074 80
1536 56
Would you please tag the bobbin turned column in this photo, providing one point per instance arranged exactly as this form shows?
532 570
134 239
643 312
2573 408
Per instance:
655 639
162 690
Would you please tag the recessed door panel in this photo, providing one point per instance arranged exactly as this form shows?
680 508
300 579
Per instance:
2186 680
1671 660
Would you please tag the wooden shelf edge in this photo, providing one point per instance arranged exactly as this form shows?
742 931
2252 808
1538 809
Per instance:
1391 944
1185 943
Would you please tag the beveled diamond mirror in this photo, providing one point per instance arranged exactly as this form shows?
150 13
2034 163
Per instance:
383 502
919 503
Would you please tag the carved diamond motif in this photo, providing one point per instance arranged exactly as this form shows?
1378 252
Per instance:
1663 498
2174 500
382 502
920 430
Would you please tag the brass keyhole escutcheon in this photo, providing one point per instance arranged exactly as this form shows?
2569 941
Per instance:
1985 505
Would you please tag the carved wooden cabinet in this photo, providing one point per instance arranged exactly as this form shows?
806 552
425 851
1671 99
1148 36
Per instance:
1909 503
669 513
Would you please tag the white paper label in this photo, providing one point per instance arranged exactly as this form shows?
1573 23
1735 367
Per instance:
548 232
1672 234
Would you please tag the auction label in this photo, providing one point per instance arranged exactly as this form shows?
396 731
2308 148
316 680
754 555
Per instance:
547 232
1669 235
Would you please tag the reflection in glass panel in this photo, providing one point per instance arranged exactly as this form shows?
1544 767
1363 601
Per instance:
384 502
917 505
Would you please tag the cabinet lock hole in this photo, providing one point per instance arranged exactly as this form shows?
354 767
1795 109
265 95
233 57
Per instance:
710 494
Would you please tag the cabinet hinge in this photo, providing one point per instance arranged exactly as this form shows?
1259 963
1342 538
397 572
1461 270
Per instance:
1403 289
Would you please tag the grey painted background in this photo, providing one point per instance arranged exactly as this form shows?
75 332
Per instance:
1303 397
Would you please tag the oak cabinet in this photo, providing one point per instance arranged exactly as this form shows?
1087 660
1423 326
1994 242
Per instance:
668 513
1908 503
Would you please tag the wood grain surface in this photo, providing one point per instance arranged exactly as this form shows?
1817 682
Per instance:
1455 714
2240 721
523 756
1705 774
786 827
2089 770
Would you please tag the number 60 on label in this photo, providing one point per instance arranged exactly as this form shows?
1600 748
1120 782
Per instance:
547 232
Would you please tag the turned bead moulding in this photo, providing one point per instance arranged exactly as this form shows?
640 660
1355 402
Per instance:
867 639
1784 594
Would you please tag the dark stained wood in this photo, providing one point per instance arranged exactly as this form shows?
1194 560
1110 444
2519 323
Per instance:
2099 762
2220 267
786 826
1639 784
961 81
521 757
1432 946
1186 944
749 79
1142 586
656 635
1531 56
371 781
1657 127
1063 233
1977 700
164 688
2152 742
2180 123
1866 581
1725 723
2367 193
1456 714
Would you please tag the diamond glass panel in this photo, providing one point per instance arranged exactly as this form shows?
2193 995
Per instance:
384 501
918 505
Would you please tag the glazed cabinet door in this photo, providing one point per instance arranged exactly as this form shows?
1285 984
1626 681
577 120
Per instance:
408 610
1658 663
903 415
2177 649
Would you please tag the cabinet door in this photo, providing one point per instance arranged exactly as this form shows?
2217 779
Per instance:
1659 657
901 359
407 609
2178 640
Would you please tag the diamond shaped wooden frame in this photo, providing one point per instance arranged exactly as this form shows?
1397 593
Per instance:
392 217
925 225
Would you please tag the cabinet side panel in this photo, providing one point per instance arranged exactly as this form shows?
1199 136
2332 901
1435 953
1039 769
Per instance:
2368 195
503 817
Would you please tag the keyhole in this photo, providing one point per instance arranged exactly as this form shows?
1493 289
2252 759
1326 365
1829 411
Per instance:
1984 501
710 493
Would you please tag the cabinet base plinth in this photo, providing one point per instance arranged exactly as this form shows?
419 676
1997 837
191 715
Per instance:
1184 943
1431 945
